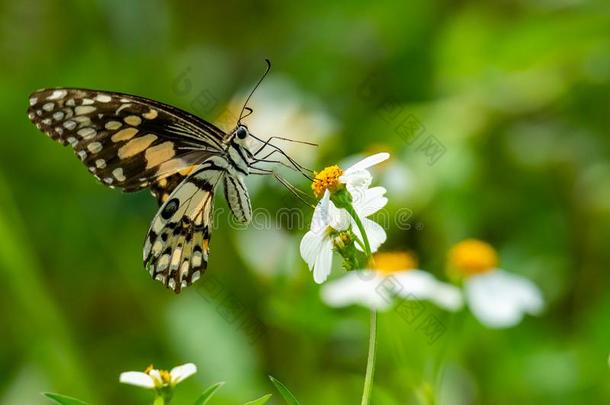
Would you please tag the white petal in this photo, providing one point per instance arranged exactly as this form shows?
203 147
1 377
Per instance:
338 218
367 162
155 375
374 232
500 299
421 285
356 287
370 201
137 378
355 181
527 292
448 296
320 219
310 247
415 284
181 373
324 261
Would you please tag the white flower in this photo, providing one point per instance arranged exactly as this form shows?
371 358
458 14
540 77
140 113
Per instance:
317 244
500 299
497 298
394 276
153 378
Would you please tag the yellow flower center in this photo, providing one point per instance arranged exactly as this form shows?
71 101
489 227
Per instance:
472 256
327 179
392 262
342 239
165 376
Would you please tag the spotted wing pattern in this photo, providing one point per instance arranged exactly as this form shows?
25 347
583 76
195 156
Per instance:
162 188
126 141
177 245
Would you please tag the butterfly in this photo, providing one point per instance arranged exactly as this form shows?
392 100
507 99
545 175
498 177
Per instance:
133 143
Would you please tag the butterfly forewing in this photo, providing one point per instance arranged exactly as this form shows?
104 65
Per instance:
126 141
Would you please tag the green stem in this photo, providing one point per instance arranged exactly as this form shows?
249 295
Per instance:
365 238
370 363
159 400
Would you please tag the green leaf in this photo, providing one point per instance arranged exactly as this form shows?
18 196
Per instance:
285 392
262 400
62 399
208 393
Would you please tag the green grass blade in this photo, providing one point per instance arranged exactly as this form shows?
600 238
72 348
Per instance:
262 400
208 393
62 399
285 392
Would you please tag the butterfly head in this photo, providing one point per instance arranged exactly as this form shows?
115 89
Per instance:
240 135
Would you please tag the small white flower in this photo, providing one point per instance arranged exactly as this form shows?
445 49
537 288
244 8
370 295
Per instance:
394 276
497 298
500 299
317 244
153 378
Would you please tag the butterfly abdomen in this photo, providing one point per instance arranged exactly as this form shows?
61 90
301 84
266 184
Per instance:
238 198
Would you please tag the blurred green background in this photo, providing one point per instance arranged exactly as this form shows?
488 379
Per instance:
517 93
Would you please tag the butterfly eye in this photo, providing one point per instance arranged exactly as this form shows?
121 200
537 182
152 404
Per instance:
241 132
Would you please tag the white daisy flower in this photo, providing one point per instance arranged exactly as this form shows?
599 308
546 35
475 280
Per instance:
497 298
317 244
393 275
153 378
328 220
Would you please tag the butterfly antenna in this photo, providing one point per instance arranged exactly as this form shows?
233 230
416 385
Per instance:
241 114
248 112
298 193
295 141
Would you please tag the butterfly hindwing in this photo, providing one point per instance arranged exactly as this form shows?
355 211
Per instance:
162 188
177 245
126 141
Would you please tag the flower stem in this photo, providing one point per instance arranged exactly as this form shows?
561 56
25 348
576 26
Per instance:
365 238
159 400
370 363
